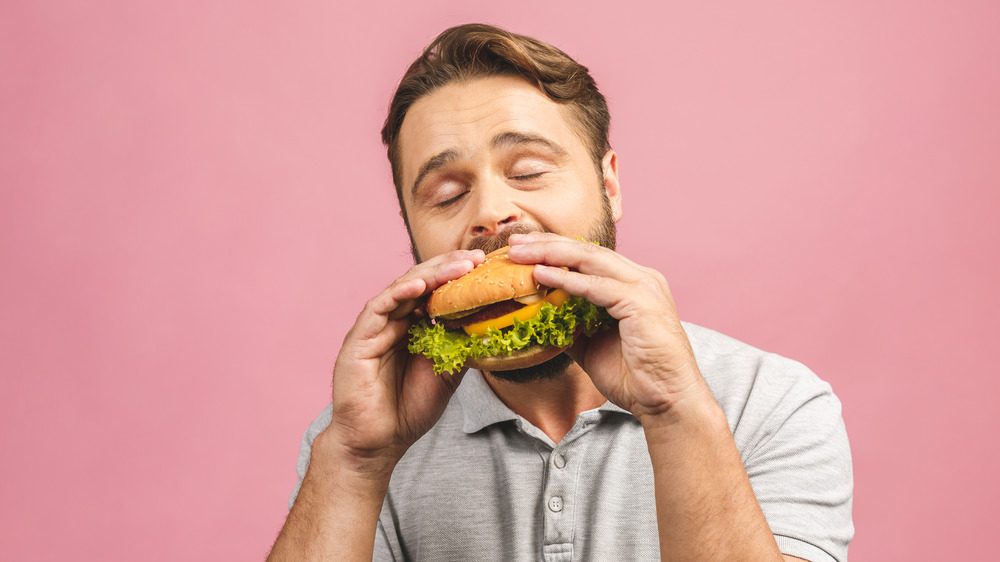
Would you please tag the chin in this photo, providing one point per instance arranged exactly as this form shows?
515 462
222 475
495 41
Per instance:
548 370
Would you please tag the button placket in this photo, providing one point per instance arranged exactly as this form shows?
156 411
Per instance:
559 489
557 493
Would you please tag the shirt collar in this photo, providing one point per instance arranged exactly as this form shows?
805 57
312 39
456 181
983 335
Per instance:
482 408
480 405
609 407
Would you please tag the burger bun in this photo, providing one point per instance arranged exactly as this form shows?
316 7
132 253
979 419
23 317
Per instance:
520 359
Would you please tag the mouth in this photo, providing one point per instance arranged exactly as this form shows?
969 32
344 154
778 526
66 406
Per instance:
492 243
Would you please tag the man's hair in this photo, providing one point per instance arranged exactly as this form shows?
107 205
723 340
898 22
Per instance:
472 51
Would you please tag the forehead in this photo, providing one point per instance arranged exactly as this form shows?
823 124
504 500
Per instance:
465 116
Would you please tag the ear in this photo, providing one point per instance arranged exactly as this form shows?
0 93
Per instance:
609 167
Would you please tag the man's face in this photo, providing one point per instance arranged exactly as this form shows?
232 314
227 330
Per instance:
485 158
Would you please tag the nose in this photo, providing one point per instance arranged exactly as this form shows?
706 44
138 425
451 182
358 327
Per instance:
494 209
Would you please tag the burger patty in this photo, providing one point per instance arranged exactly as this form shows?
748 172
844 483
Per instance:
486 313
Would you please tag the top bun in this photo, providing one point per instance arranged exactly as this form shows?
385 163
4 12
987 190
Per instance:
496 279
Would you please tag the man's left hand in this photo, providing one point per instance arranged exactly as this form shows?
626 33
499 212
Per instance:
644 363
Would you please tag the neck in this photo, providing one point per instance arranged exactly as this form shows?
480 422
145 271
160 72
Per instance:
552 404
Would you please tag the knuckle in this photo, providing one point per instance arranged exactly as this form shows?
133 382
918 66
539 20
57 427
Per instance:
651 273
649 284
399 281
592 249
654 279
590 284
652 290
372 306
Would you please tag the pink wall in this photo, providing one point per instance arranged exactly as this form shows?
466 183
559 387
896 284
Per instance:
194 205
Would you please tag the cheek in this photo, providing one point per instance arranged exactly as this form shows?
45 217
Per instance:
435 236
569 212
585 196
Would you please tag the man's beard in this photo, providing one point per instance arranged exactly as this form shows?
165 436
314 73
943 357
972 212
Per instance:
604 233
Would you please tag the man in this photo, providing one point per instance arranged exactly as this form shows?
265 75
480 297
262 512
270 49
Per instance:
653 438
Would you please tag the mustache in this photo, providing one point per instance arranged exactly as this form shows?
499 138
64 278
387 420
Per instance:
492 243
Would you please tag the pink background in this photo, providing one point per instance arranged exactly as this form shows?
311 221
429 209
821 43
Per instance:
195 205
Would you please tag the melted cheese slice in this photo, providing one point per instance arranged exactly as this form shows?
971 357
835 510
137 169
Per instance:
556 298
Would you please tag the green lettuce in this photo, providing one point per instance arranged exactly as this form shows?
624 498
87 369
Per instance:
550 327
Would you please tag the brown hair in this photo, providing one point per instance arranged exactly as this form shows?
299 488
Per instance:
474 51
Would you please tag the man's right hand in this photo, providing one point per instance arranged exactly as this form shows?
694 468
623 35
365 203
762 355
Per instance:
384 399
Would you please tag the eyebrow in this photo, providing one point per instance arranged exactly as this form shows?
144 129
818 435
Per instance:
508 139
514 138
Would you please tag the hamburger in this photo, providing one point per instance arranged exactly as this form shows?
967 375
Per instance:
497 318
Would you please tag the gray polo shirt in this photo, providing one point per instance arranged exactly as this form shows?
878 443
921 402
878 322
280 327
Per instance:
485 484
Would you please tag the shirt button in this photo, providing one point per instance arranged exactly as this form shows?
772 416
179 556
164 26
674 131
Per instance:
555 504
559 461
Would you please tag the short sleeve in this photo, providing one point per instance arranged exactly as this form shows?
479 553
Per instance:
797 456
383 551
384 548
305 449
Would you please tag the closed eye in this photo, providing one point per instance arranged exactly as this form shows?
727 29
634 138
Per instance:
454 199
528 176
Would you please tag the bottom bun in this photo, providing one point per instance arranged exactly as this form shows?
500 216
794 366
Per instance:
520 359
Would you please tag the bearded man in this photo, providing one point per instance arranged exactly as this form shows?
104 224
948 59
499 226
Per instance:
651 439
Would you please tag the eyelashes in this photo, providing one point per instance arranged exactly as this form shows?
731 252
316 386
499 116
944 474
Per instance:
456 198
451 201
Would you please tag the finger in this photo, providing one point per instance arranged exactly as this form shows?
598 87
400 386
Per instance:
433 272
375 315
406 295
443 268
551 249
605 292
400 298
393 334
407 299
